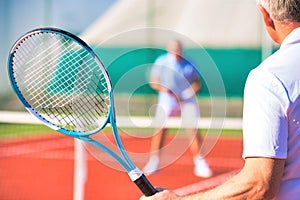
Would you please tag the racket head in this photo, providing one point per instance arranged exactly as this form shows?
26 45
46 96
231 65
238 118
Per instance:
61 81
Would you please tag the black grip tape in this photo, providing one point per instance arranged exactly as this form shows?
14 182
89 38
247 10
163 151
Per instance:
145 186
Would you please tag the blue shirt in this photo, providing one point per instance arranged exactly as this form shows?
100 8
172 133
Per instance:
174 75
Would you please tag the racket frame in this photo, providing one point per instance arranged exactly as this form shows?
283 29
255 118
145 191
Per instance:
29 107
134 173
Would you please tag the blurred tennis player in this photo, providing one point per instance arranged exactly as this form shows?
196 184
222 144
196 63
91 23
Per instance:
271 117
177 81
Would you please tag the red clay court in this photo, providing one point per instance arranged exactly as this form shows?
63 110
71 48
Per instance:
39 168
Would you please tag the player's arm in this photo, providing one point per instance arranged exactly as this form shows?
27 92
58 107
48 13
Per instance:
191 91
259 179
155 84
196 85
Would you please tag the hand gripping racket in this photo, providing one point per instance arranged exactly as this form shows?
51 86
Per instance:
61 81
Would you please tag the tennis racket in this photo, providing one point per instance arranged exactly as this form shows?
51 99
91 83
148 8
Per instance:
62 82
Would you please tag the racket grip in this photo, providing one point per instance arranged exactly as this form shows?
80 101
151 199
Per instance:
145 186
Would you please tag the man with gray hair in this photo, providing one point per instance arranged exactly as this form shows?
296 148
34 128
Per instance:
271 117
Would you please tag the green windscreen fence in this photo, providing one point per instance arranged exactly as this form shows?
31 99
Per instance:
223 71
58 79
129 68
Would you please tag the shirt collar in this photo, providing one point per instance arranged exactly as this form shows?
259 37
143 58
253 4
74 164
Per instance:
292 38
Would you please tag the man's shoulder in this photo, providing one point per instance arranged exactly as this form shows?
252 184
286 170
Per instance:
162 56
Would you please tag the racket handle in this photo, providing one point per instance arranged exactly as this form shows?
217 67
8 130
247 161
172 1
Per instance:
145 186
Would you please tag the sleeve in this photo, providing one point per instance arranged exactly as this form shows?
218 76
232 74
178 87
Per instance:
265 127
195 74
191 71
156 69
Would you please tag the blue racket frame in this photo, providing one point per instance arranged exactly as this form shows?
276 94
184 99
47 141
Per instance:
135 174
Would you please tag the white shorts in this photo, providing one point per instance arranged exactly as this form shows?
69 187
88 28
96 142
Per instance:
189 113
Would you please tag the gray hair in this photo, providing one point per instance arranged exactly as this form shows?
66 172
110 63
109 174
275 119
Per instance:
282 10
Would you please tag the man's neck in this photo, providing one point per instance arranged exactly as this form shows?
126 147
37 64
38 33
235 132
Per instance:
284 29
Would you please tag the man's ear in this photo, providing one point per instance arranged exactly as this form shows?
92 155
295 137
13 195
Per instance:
269 23
266 17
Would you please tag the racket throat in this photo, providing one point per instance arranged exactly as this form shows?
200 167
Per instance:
135 174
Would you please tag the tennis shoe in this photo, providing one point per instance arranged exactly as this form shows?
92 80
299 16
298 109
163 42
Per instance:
151 166
202 169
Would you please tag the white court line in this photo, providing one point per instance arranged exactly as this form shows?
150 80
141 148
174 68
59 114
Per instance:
206 184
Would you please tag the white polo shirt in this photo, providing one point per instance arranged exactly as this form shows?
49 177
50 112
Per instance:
271 116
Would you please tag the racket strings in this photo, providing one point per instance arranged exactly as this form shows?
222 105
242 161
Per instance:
101 89
61 80
36 67
39 67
